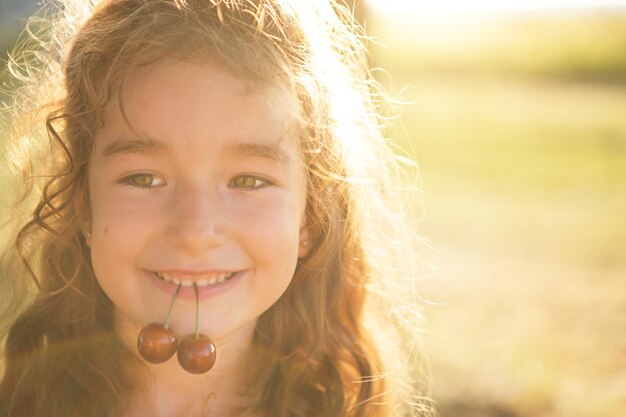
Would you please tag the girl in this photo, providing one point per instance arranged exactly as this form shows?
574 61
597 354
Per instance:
217 187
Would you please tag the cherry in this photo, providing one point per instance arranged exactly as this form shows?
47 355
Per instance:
157 342
196 354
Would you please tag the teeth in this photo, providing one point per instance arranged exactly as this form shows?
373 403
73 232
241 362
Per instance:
203 282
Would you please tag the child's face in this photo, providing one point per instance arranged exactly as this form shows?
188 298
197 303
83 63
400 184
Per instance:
218 188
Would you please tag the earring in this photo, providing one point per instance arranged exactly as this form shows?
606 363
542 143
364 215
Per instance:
88 235
305 243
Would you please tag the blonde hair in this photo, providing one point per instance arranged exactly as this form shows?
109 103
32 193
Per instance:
343 339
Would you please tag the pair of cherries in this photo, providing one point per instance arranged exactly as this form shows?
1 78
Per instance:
157 343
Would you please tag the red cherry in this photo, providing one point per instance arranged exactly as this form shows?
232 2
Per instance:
156 344
196 354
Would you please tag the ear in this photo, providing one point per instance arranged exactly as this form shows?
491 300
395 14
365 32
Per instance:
304 243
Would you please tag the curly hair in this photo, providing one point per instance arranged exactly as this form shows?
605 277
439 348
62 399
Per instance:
342 340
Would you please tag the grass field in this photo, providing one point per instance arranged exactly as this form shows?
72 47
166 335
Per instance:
526 213
523 164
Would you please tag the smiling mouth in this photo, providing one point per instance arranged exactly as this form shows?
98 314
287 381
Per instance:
199 280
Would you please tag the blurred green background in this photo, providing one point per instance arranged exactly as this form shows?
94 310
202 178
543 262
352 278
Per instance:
518 123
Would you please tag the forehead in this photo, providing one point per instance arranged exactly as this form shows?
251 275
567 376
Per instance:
200 104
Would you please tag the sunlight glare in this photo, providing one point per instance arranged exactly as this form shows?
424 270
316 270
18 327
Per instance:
432 7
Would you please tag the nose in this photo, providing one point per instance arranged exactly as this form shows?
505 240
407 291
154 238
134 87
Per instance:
197 219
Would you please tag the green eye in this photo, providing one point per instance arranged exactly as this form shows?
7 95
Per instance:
248 182
143 180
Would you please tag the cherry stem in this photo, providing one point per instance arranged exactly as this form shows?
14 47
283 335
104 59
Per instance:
195 288
169 312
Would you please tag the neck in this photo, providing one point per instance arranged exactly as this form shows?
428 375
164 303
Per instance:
166 390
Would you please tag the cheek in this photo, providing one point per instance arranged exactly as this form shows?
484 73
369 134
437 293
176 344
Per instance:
112 247
117 213
278 220
120 229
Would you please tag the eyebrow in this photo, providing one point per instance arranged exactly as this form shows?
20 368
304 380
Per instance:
133 146
272 151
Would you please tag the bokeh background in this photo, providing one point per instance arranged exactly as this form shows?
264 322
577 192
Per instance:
516 114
